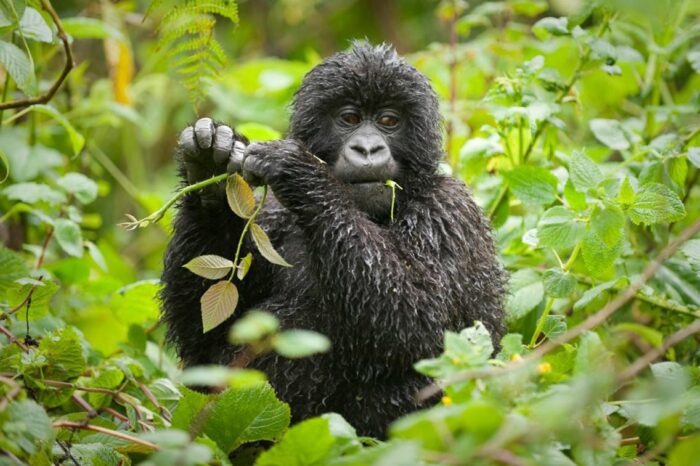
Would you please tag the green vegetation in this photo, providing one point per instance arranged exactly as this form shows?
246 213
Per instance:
576 125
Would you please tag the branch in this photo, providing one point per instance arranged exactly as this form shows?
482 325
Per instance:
590 323
643 361
102 430
42 99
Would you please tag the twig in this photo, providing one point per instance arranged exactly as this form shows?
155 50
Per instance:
11 394
26 299
643 361
87 407
134 223
163 410
48 95
103 430
13 339
591 322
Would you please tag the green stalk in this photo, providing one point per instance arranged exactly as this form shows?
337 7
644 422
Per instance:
160 213
245 230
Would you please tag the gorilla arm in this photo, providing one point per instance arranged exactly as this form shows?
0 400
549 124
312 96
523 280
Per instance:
397 287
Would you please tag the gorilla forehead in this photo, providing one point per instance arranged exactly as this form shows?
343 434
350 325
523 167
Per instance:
366 76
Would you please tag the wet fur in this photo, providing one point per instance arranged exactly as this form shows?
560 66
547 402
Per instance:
382 292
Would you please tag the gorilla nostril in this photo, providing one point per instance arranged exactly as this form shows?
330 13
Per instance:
359 149
376 149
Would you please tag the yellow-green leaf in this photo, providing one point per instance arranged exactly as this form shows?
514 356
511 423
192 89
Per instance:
240 196
209 266
244 266
265 246
218 304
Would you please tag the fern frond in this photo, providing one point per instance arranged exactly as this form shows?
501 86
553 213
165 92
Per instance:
186 32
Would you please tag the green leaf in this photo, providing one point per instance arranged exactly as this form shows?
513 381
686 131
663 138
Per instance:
558 284
300 343
551 26
307 443
244 266
559 229
526 292
253 326
63 355
84 189
218 304
18 65
210 266
694 60
240 196
77 140
691 249
597 291
534 185
265 246
685 452
34 27
694 156
91 28
239 415
26 426
656 203
626 194
13 267
575 199
603 241
583 172
610 132
5 167
69 237
31 193
554 326
137 303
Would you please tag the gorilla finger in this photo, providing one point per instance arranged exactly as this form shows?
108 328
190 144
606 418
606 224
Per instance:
223 141
204 132
253 170
187 143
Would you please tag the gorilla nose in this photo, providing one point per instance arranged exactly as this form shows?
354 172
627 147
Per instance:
368 149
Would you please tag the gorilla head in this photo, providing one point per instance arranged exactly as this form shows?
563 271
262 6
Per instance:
365 112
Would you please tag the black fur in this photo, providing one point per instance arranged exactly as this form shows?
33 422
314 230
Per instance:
382 292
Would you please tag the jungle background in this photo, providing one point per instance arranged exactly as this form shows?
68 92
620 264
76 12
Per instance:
574 122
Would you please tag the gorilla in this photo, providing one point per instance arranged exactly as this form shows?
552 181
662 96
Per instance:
383 291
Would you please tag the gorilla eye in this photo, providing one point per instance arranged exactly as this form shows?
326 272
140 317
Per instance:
350 118
389 121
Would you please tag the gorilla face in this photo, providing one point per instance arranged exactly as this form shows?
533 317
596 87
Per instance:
364 160
365 112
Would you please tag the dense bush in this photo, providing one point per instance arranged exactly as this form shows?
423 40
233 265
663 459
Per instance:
577 128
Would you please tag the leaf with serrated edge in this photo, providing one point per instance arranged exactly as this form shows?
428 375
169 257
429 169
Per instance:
209 266
240 196
218 304
244 266
265 246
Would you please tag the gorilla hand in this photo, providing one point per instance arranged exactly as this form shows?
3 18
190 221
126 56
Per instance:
273 162
205 149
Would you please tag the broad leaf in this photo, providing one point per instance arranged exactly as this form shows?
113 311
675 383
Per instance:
31 193
253 326
526 292
300 343
218 304
240 196
18 65
265 246
656 203
69 237
34 27
610 133
77 140
584 172
534 185
210 266
558 284
244 266
559 229
84 189
91 28
307 443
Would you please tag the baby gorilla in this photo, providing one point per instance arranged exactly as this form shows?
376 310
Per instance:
383 291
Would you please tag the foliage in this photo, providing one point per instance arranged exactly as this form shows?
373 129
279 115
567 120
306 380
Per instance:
577 131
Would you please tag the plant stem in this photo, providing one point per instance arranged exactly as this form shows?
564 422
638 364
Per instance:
160 213
245 230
